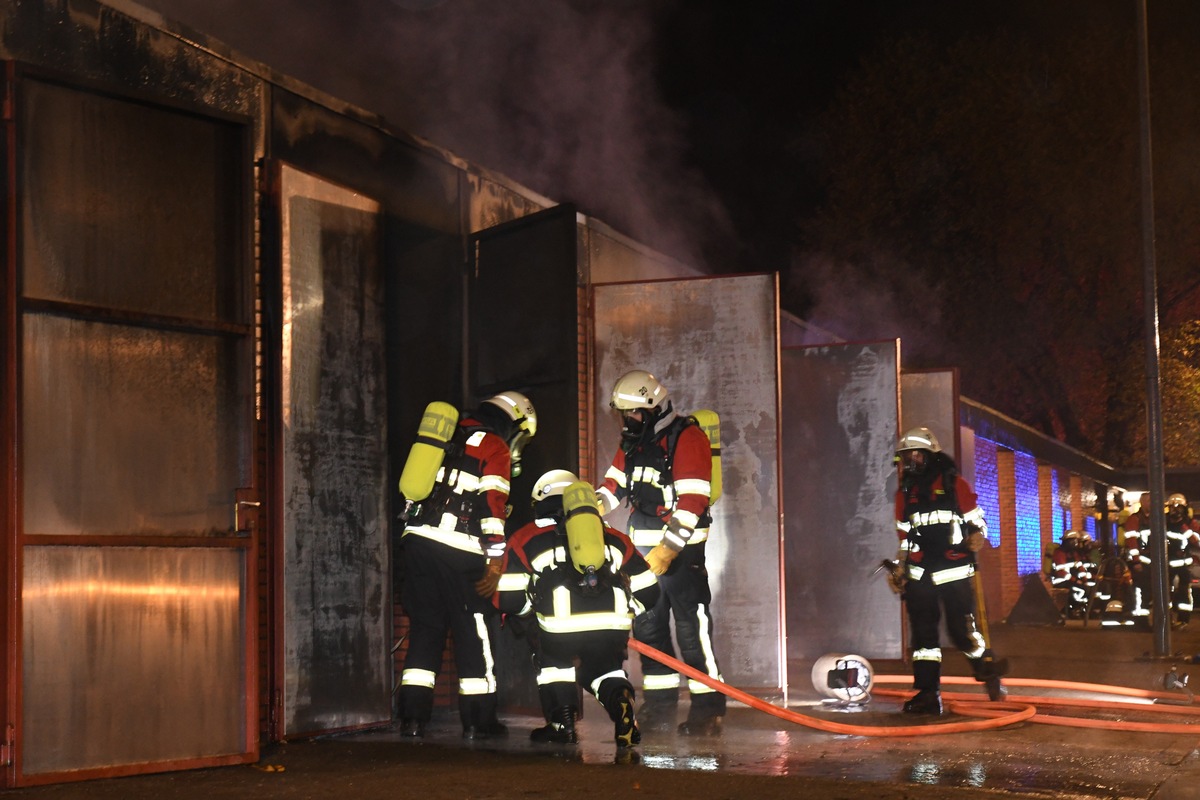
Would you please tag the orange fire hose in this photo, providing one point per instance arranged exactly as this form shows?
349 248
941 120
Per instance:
993 714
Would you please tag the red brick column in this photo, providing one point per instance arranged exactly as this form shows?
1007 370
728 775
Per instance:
1010 583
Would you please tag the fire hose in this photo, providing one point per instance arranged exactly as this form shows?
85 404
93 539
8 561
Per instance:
989 714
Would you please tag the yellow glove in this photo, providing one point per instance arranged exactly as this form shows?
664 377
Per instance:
660 558
486 586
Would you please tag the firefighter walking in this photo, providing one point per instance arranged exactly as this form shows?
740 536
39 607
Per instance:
941 527
453 548
584 581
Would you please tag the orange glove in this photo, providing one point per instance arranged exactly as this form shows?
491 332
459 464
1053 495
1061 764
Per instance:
486 586
660 558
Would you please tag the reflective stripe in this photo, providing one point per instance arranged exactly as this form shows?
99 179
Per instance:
513 582
606 500
685 518
642 580
475 686
710 660
693 486
944 576
927 654
903 527
418 677
915 572
616 673
450 538
486 684
563 621
615 475
980 645
652 683
494 483
555 675
649 537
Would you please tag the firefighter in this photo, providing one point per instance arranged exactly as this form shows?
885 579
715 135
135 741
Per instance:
1137 555
941 527
453 549
584 581
1181 537
1074 569
663 468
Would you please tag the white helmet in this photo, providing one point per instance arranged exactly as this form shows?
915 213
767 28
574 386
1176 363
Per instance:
1176 499
636 390
553 484
919 439
518 408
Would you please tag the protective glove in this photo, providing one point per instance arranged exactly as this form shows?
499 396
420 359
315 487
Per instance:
660 558
975 541
486 586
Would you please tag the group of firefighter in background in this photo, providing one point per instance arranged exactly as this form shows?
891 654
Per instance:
589 586
1114 584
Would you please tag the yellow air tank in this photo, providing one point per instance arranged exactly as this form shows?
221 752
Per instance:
710 423
585 529
425 456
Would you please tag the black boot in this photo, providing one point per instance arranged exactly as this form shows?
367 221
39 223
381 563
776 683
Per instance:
988 671
413 728
655 716
926 701
560 729
620 711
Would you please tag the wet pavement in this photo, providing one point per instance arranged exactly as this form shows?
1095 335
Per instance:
763 756
1029 758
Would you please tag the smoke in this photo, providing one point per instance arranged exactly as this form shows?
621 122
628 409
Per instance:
559 96
873 300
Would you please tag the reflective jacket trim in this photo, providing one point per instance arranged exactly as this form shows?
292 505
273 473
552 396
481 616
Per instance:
562 620
927 654
448 536
650 537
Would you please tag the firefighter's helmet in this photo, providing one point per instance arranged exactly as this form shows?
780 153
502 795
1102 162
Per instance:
519 409
637 390
1176 499
919 439
552 484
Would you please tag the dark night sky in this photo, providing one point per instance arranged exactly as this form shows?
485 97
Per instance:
664 119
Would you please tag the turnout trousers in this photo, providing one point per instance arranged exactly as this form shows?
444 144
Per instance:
686 597
439 598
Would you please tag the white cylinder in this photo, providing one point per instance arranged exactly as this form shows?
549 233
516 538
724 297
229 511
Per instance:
844 677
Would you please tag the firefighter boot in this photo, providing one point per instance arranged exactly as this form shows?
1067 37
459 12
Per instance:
658 711
988 671
560 729
926 701
620 710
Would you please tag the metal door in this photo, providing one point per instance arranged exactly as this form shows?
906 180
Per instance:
714 342
332 593
129 396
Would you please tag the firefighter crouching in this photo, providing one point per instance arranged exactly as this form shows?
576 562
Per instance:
456 485
941 527
584 581
664 468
